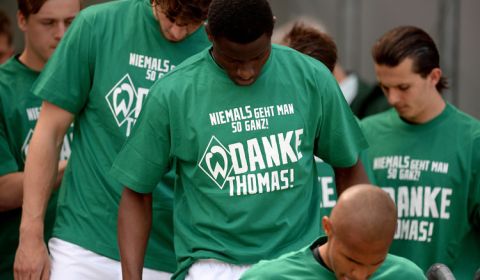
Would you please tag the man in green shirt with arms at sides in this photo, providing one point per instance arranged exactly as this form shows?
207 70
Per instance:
359 232
43 23
98 78
243 120
425 153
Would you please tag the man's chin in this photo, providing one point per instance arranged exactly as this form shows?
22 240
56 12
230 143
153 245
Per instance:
173 39
242 82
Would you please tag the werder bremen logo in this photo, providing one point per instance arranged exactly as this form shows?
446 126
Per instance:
65 151
216 162
121 100
126 102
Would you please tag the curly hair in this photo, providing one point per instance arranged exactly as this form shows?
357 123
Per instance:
185 11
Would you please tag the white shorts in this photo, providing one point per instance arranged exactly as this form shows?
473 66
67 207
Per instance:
70 261
210 269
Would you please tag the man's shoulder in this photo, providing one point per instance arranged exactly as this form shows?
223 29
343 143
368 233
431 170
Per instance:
7 68
183 76
281 268
193 64
10 71
108 10
463 118
395 267
377 121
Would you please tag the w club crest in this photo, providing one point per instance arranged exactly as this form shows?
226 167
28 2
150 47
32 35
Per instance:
122 100
216 162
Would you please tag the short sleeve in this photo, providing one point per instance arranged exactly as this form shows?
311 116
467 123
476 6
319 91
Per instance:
339 138
66 79
144 158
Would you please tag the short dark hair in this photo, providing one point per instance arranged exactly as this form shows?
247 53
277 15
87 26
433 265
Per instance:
6 27
312 42
30 7
409 42
240 21
184 11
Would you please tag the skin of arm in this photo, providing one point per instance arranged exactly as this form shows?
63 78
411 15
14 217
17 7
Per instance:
349 176
32 260
11 187
134 223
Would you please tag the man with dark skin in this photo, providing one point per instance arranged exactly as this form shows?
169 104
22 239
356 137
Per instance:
243 129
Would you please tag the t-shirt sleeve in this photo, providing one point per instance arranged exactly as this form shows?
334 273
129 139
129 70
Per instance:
339 138
145 157
67 77
8 164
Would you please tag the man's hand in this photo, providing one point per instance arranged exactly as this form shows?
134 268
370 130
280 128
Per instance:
32 260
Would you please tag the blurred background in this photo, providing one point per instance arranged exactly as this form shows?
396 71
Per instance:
356 24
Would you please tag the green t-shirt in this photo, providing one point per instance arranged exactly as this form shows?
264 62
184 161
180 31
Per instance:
432 173
328 189
303 265
101 72
19 111
247 185
468 262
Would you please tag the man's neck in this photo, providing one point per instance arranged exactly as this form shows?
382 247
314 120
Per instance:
433 109
31 61
322 252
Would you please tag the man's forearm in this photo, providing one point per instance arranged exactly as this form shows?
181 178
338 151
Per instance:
349 176
134 223
39 180
40 177
11 188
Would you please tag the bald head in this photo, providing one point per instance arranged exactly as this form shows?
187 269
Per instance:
365 212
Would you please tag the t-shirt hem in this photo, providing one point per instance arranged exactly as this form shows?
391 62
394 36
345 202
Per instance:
46 95
110 253
127 181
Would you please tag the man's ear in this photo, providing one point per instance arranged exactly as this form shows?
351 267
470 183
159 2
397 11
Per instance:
435 75
21 21
327 225
209 33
